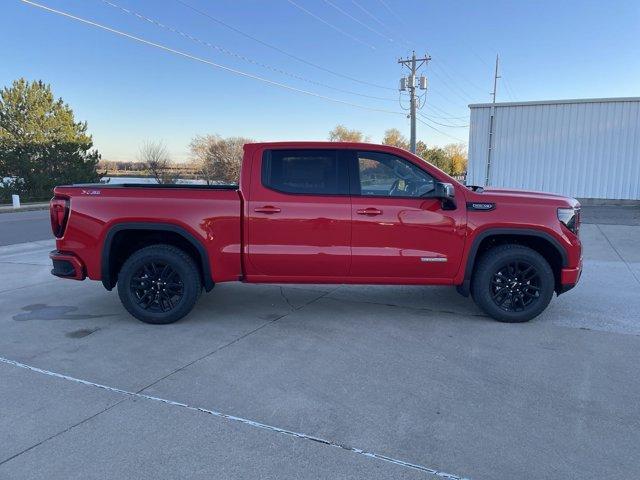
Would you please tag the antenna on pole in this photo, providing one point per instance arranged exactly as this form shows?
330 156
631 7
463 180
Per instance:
495 79
492 121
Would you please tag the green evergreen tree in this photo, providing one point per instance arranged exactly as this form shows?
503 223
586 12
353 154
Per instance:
41 144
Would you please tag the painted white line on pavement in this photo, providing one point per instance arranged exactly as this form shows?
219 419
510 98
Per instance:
252 423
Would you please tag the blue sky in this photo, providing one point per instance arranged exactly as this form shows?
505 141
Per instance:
130 93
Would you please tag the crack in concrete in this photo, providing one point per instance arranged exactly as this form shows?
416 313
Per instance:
619 255
417 309
234 341
60 432
27 286
25 263
245 421
286 299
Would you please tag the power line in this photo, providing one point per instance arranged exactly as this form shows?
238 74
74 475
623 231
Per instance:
442 124
359 22
449 116
278 49
372 16
507 86
400 20
236 55
444 68
337 29
202 60
441 65
449 84
410 83
437 130
439 117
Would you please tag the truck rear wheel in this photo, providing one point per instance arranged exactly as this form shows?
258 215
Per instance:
159 284
512 283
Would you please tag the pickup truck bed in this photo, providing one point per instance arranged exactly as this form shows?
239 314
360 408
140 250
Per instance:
122 218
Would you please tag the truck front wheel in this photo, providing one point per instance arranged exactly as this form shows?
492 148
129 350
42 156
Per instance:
159 284
512 283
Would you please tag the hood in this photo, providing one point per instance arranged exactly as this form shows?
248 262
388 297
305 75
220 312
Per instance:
497 194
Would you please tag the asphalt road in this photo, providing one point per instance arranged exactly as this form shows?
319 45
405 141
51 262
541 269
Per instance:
24 227
271 382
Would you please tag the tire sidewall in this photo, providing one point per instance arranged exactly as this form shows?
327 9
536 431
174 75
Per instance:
183 266
496 258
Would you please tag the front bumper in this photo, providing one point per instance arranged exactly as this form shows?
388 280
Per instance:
569 278
67 265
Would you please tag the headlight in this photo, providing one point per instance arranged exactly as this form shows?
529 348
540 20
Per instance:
570 218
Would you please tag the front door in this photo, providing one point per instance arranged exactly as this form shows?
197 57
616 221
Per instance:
299 215
398 232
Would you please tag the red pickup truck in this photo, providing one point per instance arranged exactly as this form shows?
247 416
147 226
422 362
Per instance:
319 212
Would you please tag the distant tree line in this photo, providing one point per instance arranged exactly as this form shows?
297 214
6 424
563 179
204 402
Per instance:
216 159
213 159
121 166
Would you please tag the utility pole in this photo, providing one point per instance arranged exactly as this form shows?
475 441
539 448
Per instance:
412 82
491 121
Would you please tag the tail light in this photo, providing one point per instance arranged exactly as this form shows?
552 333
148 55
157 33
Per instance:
59 213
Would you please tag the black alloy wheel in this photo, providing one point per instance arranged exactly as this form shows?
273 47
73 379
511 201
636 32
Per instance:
157 287
159 284
512 283
515 286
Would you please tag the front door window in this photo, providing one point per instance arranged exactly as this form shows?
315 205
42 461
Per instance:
382 174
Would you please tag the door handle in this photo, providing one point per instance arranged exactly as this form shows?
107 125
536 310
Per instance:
369 211
267 209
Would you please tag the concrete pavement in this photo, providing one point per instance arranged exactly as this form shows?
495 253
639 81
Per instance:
412 374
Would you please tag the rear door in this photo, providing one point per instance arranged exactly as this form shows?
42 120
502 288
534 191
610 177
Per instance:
398 232
299 215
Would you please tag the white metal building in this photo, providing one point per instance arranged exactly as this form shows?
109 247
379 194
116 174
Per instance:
582 148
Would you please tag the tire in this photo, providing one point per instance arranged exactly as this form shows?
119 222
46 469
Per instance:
159 284
512 283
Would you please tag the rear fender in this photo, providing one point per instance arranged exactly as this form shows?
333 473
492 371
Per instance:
108 277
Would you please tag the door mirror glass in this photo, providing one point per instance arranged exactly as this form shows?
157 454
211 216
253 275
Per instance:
447 193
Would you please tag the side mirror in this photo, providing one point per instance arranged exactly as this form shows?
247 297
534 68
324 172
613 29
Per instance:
444 191
447 193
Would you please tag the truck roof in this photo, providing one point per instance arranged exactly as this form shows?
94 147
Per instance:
325 144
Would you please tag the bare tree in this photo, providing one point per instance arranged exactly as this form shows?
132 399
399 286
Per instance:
217 158
157 161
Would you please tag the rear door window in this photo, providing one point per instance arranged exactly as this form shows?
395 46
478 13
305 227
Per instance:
310 172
